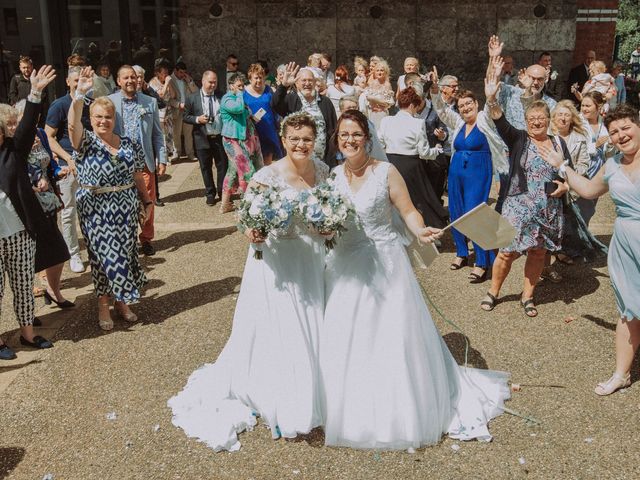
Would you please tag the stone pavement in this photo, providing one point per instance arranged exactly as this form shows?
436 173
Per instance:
94 406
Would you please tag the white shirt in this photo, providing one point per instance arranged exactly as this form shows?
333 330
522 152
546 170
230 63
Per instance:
335 94
181 85
403 134
10 222
215 127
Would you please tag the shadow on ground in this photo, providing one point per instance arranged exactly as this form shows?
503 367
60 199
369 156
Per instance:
10 458
457 343
176 240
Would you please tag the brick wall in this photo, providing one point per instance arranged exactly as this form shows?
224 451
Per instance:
595 29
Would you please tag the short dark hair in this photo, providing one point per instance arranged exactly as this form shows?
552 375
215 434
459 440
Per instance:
76 60
235 77
355 116
25 59
620 112
596 97
412 77
181 66
408 97
544 54
466 94
230 56
296 121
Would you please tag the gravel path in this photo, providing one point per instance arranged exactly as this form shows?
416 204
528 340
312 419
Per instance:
94 407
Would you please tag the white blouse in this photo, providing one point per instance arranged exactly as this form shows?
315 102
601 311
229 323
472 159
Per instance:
10 222
404 134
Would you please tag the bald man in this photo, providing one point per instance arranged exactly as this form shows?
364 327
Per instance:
510 97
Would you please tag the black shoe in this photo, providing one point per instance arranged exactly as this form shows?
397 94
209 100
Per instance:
38 342
148 249
159 203
48 299
36 322
211 201
6 353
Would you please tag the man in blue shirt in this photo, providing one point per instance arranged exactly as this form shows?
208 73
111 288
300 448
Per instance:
58 135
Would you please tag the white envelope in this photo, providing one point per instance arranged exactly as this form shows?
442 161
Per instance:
422 254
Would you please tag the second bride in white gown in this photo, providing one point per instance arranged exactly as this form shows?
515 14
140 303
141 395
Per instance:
269 366
389 379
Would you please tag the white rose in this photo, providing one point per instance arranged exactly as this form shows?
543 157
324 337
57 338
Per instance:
312 200
327 210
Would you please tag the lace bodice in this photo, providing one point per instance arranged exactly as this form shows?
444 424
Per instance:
270 176
373 207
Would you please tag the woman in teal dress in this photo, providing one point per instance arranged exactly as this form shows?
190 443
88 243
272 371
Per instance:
620 176
240 142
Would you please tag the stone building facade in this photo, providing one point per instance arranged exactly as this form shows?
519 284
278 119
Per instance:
451 34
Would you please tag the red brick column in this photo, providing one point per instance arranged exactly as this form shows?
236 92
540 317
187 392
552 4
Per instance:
595 29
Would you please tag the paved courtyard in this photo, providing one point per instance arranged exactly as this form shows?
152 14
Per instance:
94 407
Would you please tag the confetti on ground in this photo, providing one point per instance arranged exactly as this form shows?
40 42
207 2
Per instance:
111 416
156 428
48 476
515 387
455 447
411 450
522 461
569 319
588 440
296 472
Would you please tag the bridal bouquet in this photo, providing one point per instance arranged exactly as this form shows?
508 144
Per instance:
324 209
264 210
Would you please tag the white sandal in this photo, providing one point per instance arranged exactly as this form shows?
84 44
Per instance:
616 382
129 317
105 324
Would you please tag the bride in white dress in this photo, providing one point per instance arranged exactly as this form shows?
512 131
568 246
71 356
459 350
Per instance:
269 366
389 379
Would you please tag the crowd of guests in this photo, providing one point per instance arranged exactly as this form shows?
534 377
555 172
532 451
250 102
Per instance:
107 141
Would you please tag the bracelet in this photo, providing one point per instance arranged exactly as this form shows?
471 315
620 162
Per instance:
36 93
492 104
562 171
79 96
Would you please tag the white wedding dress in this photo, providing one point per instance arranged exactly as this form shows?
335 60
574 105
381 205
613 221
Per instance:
269 366
389 379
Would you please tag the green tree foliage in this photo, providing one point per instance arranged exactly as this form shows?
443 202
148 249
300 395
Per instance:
628 27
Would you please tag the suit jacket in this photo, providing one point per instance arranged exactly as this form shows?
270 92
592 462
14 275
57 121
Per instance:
579 75
192 110
285 103
150 129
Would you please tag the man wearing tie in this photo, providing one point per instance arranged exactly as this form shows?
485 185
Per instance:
202 110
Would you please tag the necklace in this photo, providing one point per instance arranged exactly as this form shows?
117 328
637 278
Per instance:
361 167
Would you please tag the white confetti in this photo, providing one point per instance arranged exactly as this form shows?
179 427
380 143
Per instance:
128 444
48 476
296 472
411 450
588 440
111 416
156 427
534 434
522 461
455 447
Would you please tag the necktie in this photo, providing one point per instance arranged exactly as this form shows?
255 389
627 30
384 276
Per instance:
211 112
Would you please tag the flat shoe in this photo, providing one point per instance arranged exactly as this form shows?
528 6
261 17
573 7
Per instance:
6 353
530 309
38 342
475 278
616 382
490 301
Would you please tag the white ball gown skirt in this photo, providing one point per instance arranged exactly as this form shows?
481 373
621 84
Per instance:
389 379
269 366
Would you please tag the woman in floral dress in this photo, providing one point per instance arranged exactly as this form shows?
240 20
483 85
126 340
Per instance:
110 177
240 142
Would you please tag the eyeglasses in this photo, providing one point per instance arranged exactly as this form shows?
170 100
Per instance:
102 117
465 104
304 140
537 120
451 86
344 136
233 64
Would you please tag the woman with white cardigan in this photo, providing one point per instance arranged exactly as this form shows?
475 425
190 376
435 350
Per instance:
477 151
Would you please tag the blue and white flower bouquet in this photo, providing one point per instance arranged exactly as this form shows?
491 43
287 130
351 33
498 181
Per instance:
264 210
325 210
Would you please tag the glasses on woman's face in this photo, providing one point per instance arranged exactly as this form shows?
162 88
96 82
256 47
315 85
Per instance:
297 140
102 118
536 120
357 136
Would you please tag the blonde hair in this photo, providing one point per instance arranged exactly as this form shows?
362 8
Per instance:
6 112
412 58
255 69
314 60
598 66
361 62
104 102
576 121
383 63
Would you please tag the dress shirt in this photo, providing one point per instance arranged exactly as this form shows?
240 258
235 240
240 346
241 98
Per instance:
131 118
403 134
211 108
511 103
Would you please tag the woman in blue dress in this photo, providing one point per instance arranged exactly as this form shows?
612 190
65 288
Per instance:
258 99
110 177
621 178
477 152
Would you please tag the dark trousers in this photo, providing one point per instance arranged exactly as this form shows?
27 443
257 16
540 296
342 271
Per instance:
437 173
206 157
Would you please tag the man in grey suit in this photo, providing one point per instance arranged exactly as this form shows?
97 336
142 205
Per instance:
137 117
202 110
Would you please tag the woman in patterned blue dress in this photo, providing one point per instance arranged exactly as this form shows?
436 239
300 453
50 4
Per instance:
531 194
110 177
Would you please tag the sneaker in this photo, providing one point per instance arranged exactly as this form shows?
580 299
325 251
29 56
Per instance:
76 265
147 249
6 353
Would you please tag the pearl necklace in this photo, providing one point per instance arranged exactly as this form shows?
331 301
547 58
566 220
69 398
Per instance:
356 170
